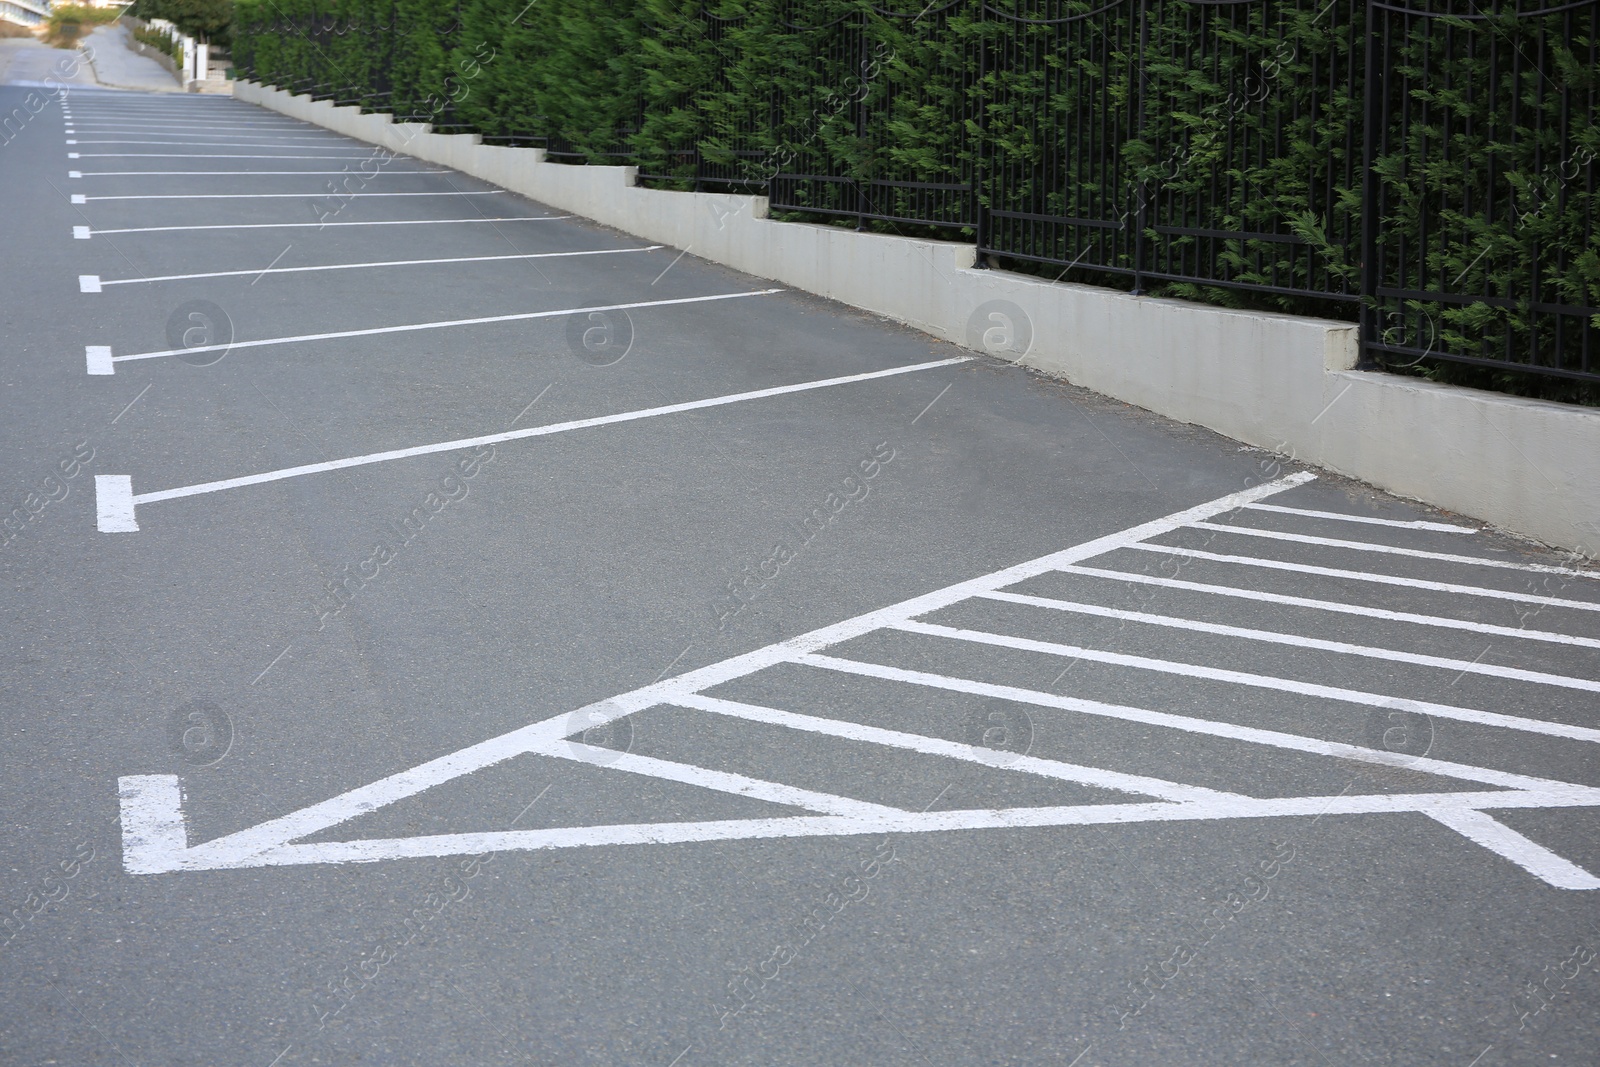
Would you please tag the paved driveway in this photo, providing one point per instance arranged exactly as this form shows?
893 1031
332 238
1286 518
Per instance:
443 631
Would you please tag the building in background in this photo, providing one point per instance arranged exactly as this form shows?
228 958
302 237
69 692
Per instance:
24 12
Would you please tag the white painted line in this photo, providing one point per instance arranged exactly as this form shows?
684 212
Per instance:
250 174
1298 641
1364 576
524 316
243 847
938 746
113 126
1206 727
1413 524
90 283
150 844
98 359
532 431
1335 606
722 782
279 196
118 130
152 804
301 144
74 173
1525 853
1415 553
1259 681
113 494
78 198
211 155
382 263
301 225
80 233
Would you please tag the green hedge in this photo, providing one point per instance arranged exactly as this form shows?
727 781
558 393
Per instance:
1241 117
204 20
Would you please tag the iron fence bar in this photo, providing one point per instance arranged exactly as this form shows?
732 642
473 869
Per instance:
1373 86
1140 190
1034 127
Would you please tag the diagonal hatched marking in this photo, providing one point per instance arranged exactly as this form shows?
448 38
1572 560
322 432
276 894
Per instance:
154 839
151 804
1254 735
721 781
1532 857
1336 606
1365 576
1366 520
1269 637
1262 681
938 746
1392 550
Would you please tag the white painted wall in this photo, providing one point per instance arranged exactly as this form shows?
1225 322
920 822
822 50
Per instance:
1275 381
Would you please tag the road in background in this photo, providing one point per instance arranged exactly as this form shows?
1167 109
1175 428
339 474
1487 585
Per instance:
450 632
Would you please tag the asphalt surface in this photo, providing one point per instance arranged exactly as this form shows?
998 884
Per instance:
1140 775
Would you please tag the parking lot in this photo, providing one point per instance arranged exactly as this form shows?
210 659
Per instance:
447 631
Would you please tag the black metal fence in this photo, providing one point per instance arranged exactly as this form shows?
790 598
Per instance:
1425 165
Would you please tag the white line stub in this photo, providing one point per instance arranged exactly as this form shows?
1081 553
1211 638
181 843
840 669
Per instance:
113 498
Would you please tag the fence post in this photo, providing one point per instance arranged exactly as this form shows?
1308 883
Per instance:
863 203
1374 91
1139 131
703 35
980 169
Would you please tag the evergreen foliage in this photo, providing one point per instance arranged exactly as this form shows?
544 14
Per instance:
1208 151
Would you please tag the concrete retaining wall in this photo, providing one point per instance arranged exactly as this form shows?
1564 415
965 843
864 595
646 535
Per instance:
1275 381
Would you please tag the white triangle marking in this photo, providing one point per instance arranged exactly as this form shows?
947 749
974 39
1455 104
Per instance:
155 839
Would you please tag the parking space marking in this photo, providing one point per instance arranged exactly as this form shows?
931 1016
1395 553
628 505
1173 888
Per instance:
1394 550
155 851
204 155
1206 727
155 838
114 125
1410 524
1298 641
308 195
510 435
237 173
1335 606
113 495
97 282
720 781
300 144
1078 774
1525 853
1365 576
1258 681
85 232
444 324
